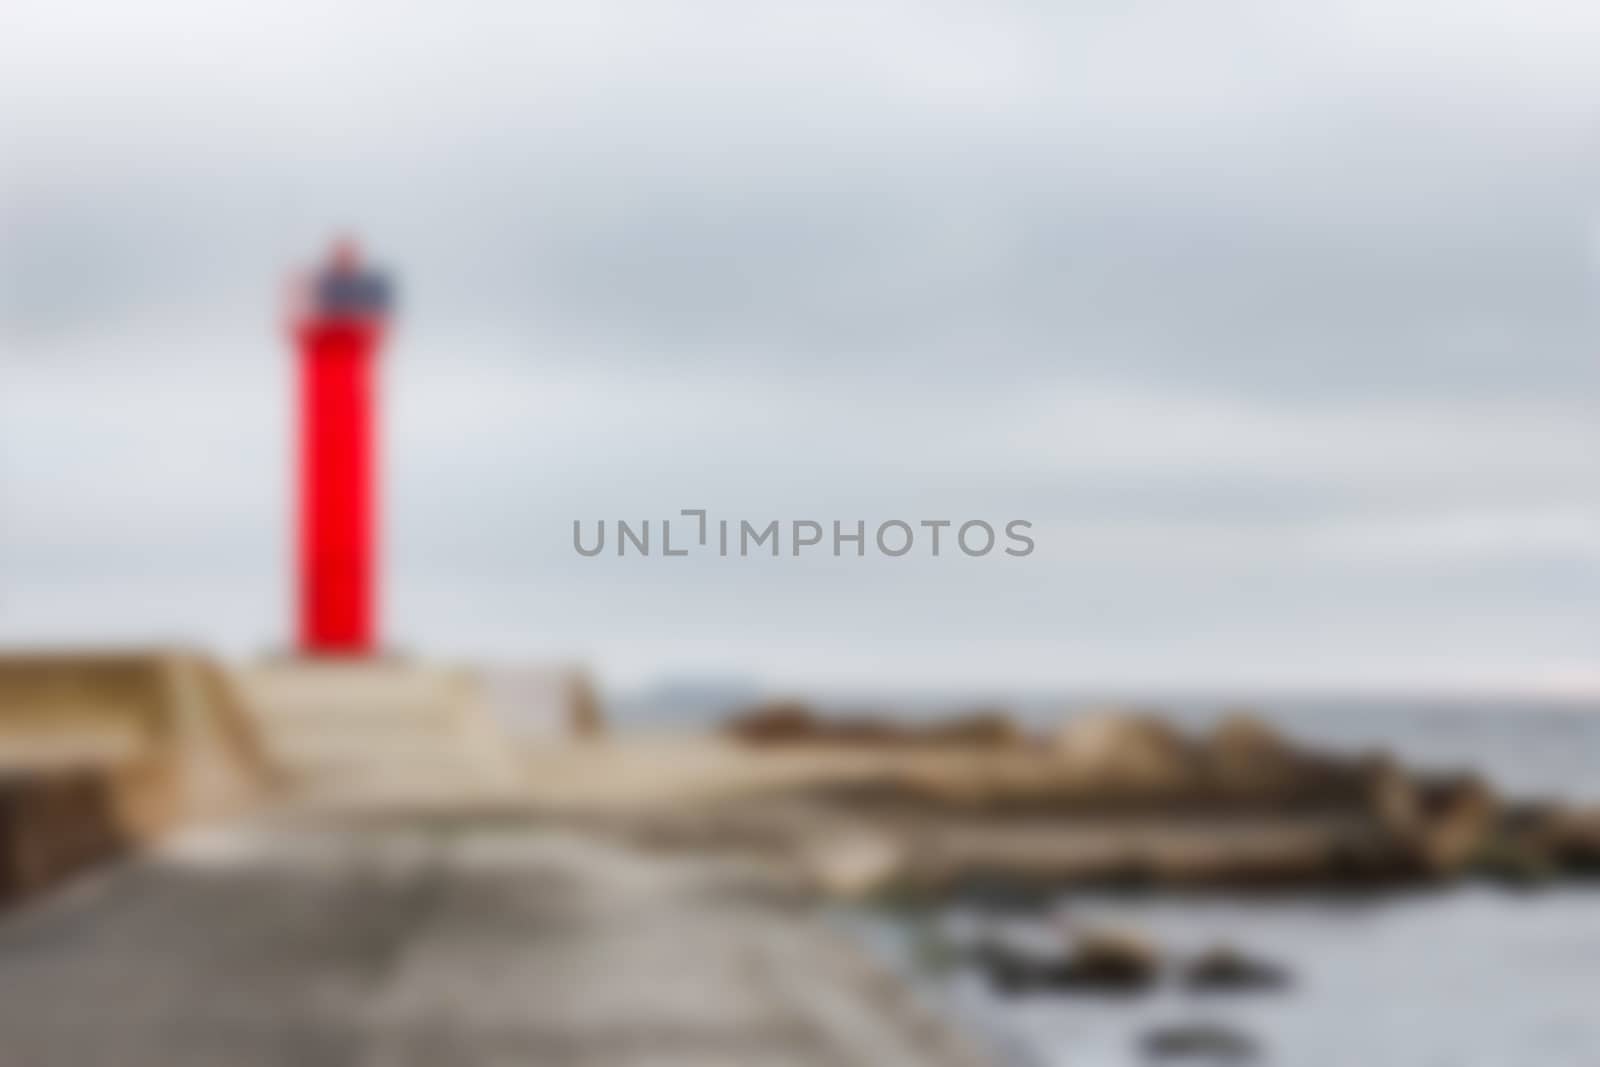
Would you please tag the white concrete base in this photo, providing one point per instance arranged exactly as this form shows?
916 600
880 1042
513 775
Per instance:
389 725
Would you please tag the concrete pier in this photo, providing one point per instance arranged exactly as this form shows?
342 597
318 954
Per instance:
425 941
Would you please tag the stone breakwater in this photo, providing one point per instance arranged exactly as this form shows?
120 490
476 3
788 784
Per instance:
1127 798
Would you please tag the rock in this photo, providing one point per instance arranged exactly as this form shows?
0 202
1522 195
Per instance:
1100 962
1126 753
1015 970
792 722
1441 823
1244 758
977 729
1390 796
1575 844
1209 1042
775 722
1244 744
1457 815
1114 959
853 865
1532 843
586 717
1224 969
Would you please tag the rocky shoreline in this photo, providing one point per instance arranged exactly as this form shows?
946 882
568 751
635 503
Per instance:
978 805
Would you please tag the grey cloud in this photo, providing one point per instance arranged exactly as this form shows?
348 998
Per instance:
1262 212
846 259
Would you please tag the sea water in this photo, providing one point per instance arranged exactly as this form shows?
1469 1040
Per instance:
1468 976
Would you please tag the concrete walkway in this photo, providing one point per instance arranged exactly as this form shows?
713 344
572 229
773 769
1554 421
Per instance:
440 944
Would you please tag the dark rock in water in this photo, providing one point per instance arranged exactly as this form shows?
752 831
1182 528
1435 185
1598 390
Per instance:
1100 963
1226 970
1014 971
1200 1043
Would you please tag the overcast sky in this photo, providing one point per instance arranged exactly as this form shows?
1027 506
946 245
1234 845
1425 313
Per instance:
1278 320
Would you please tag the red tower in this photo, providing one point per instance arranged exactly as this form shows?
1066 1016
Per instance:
338 326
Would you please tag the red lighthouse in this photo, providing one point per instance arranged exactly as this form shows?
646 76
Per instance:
338 327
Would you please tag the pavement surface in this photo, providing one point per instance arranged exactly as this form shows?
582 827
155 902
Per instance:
442 943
